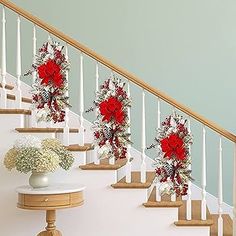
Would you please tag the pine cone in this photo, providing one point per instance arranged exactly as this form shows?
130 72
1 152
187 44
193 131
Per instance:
45 95
168 168
107 132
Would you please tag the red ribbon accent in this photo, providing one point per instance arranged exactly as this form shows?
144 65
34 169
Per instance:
173 146
112 108
50 72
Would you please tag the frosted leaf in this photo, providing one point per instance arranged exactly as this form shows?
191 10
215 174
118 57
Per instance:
111 85
172 122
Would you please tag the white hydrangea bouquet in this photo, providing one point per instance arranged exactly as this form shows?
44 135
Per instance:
30 154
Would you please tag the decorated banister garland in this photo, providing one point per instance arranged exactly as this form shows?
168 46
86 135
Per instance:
50 86
173 143
110 127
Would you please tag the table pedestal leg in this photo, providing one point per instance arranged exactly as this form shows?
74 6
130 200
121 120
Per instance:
50 228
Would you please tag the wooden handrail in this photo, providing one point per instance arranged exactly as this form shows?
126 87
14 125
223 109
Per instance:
118 69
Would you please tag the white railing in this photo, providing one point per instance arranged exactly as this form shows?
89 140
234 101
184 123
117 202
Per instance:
189 194
81 102
33 111
66 130
220 191
234 193
3 102
158 193
203 203
128 164
143 144
96 157
18 65
112 159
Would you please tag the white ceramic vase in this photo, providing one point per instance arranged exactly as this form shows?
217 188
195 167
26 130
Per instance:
38 179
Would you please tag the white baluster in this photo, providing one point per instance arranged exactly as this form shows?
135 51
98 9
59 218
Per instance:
189 200
220 192
112 159
234 193
3 101
96 157
173 196
143 147
34 44
128 164
18 65
158 193
158 113
203 202
81 96
34 74
66 130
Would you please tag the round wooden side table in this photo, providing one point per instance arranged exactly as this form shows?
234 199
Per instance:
51 198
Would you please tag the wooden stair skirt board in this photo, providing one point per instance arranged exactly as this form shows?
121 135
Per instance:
44 130
165 201
23 99
104 165
7 86
78 148
15 111
196 215
227 225
135 181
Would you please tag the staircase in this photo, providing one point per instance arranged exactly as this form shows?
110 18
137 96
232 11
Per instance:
121 196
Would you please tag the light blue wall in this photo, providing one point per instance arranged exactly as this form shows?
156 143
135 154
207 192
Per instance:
185 48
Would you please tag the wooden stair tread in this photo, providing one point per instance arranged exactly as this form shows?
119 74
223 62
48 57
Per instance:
227 225
78 148
15 111
7 86
24 99
44 130
196 215
104 165
165 201
135 183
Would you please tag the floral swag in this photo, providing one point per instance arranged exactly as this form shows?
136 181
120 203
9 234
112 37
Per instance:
110 128
173 143
50 85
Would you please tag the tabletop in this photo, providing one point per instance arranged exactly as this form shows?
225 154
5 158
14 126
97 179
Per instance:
58 188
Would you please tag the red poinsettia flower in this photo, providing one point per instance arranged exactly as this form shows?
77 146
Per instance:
112 108
50 72
173 146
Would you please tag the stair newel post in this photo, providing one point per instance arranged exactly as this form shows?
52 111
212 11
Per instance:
18 65
66 130
96 157
220 191
3 101
143 147
189 195
34 74
81 108
234 193
203 202
158 193
128 164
